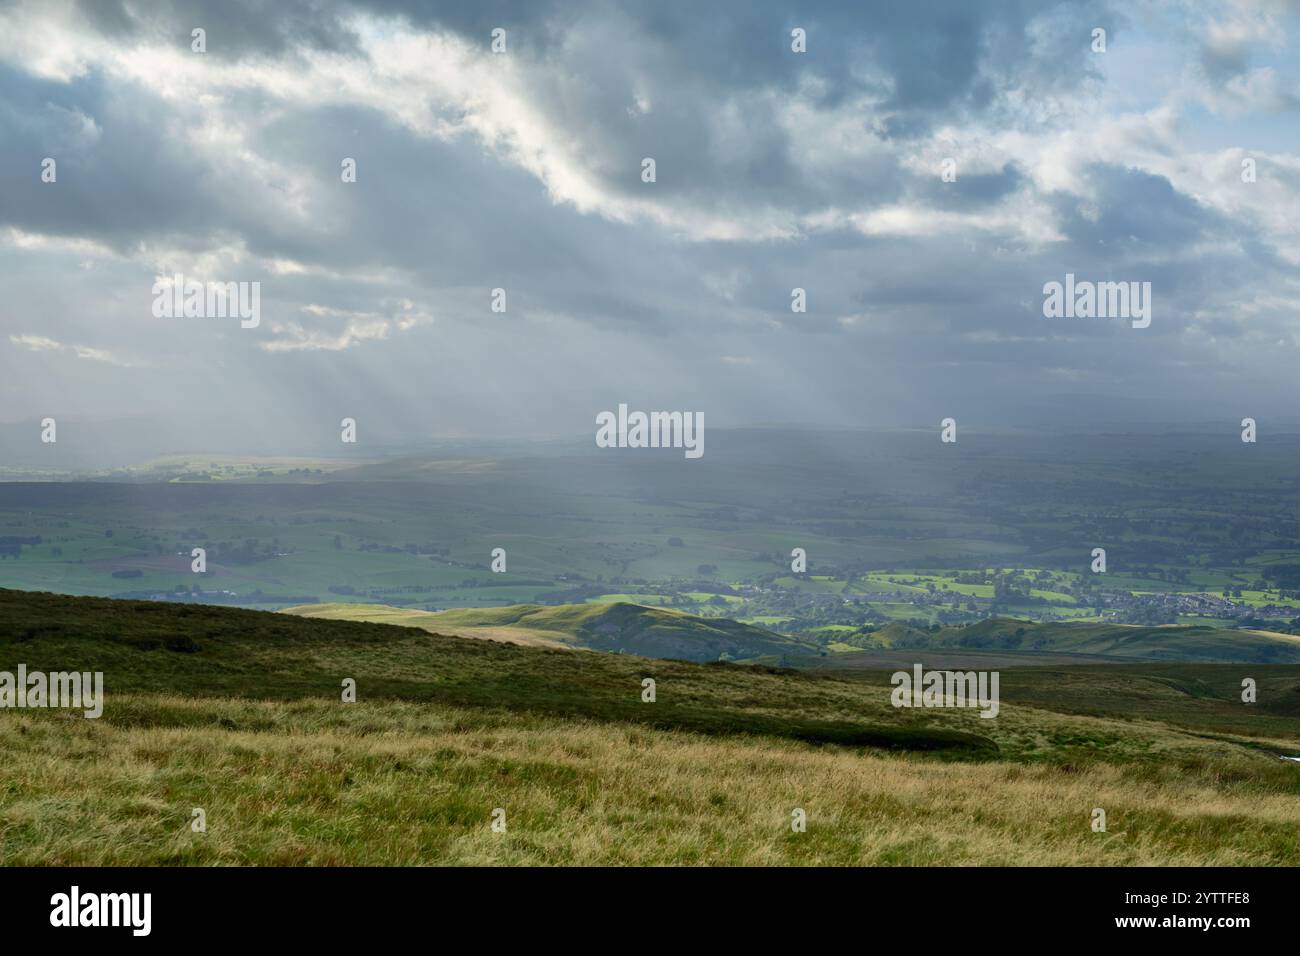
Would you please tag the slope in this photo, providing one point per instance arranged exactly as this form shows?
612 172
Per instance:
1191 644
618 627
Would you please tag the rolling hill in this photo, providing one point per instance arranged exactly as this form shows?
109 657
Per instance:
239 712
206 650
618 627
1126 642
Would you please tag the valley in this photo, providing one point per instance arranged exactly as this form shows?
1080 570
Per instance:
893 532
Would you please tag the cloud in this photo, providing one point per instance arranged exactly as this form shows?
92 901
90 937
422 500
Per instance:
41 343
775 170
36 343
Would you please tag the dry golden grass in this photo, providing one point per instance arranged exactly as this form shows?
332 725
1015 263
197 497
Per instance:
427 621
313 782
239 713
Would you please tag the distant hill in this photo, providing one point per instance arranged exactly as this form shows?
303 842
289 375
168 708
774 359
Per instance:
1190 643
620 627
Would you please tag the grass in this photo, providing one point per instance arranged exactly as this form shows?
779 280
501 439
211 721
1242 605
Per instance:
432 621
239 713
213 651
395 783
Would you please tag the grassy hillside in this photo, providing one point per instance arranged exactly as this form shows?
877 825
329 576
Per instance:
617 626
215 651
239 713
1191 643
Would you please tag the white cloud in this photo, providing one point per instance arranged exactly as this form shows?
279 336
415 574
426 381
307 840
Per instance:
41 343
36 343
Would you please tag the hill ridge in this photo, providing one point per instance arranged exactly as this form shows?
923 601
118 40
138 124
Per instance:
1192 643
620 626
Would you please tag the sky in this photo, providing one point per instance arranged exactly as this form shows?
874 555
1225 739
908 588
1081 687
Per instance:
522 169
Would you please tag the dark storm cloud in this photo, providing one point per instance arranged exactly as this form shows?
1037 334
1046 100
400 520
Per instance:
920 64
235 28
122 174
933 50
1136 210
693 64
970 191
925 62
